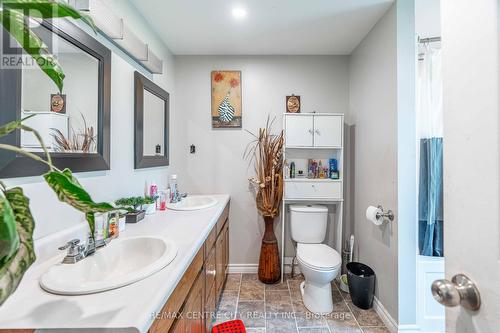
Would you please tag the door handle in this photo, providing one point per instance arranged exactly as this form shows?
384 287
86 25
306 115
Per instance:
460 291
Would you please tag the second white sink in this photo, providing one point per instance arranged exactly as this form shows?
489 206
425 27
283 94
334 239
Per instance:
120 263
194 202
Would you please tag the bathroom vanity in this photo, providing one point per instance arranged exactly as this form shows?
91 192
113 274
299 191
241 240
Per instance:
191 305
179 298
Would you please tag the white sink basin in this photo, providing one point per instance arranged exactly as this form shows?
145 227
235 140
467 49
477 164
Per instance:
193 202
122 262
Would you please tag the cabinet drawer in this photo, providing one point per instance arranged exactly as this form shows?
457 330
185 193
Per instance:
210 270
313 190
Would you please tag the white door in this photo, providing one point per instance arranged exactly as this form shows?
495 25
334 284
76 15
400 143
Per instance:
328 131
470 43
299 131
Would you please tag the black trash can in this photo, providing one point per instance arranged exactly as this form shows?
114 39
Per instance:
361 279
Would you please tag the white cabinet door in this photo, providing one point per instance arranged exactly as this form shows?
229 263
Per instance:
299 131
328 131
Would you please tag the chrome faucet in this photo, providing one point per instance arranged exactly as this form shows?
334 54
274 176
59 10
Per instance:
77 252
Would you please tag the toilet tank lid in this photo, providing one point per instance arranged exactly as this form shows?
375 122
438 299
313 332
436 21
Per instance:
309 208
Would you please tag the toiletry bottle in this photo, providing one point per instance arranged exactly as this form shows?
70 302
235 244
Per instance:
174 194
153 190
321 173
292 170
310 171
113 224
163 200
100 225
334 173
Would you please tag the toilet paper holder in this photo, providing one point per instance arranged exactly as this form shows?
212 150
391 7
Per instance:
386 215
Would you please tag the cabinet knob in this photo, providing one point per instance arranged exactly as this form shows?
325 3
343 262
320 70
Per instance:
311 131
317 132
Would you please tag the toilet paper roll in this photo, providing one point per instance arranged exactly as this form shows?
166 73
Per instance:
371 215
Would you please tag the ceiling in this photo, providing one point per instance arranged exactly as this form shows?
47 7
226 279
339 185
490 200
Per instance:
207 27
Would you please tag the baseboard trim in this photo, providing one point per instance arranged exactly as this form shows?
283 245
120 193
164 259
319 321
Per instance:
243 268
389 322
254 268
409 329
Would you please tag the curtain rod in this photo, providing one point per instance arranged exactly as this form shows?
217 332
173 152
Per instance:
429 40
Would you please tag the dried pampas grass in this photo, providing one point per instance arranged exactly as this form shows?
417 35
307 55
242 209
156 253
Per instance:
266 153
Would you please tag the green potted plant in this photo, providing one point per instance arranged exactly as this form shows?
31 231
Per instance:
135 204
16 221
149 205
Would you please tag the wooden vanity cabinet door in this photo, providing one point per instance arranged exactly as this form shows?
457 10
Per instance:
219 262
210 308
179 326
195 307
226 248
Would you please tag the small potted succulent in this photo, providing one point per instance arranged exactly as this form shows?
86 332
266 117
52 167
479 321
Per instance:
149 205
135 203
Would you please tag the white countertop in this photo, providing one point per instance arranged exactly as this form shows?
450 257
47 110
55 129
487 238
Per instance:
127 309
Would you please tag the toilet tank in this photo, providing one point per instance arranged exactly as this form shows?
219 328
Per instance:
308 223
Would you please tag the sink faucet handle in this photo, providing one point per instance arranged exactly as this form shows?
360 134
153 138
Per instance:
71 244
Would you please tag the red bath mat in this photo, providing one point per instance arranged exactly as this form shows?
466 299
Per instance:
233 326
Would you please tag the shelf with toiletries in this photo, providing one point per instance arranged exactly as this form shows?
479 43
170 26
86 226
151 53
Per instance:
320 167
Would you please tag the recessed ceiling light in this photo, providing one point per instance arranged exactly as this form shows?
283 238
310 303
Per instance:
239 13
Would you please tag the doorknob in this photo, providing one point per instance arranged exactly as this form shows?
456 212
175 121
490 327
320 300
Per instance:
460 291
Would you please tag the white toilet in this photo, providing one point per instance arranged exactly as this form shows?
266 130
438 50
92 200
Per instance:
319 263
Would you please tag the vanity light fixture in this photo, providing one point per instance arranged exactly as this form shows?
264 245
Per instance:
117 30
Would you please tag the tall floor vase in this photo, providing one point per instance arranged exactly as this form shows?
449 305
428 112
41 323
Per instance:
269 262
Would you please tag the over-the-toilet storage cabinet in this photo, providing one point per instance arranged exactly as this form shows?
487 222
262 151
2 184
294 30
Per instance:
314 136
313 130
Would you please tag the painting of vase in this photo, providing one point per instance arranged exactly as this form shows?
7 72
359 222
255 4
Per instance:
226 99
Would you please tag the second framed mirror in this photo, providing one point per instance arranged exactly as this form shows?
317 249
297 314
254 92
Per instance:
152 105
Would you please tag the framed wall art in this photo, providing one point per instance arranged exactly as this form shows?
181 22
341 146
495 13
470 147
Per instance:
226 99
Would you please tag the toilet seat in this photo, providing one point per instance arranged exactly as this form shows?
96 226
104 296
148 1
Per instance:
318 257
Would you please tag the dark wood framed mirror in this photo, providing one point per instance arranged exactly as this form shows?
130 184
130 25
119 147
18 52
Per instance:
75 125
152 105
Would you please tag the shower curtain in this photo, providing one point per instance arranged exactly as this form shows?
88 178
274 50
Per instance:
430 135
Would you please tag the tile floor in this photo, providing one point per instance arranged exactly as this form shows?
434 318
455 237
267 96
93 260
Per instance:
279 309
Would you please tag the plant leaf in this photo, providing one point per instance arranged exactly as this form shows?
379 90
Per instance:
69 190
50 9
9 239
13 22
90 217
12 126
13 270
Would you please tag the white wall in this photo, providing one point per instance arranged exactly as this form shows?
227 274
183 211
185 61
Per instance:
122 179
428 18
373 112
218 165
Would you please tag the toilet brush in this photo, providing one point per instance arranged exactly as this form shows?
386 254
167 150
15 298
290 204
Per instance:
344 286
